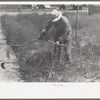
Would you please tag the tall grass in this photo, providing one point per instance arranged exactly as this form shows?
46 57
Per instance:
35 60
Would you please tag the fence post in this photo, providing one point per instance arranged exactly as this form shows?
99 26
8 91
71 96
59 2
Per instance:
77 23
19 8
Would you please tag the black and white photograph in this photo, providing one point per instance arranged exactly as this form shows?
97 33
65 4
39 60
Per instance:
49 49
43 42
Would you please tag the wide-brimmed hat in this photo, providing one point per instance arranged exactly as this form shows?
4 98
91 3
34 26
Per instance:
56 14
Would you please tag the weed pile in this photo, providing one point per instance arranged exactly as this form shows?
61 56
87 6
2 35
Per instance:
36 60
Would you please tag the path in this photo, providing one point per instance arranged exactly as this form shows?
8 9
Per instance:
10 74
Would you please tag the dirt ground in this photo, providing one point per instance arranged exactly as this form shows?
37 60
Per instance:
10 74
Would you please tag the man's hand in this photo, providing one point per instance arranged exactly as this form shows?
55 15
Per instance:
57 43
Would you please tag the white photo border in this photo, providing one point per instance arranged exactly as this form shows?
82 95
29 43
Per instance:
49 90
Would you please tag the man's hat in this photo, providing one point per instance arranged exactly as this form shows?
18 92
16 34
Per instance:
57 15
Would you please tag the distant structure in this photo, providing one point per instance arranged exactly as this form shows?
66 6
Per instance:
93 9
24 7
14 7
8 7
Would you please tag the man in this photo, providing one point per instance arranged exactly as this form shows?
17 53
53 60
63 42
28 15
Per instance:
63 33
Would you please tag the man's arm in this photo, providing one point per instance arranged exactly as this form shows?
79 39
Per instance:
45 30
48 25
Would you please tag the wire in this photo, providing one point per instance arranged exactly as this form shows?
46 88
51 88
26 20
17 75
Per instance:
24 44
